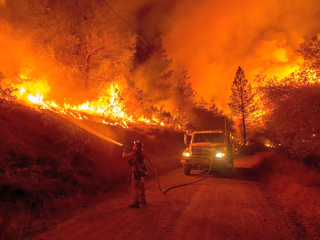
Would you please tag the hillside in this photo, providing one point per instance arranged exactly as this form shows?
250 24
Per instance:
50 167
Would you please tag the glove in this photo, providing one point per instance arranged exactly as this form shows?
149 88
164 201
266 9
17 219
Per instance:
130 161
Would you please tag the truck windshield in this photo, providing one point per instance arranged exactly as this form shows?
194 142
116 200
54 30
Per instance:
208 137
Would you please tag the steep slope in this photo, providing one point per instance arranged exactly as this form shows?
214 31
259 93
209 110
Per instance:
49 166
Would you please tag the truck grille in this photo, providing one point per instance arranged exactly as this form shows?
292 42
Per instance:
200 151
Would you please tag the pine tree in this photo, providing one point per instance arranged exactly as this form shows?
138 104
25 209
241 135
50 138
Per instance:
182 96
241 100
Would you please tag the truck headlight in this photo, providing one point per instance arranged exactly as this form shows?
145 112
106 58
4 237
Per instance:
187 154
220 155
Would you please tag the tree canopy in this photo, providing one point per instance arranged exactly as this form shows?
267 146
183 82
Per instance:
290 105
81 54
241 100
296 121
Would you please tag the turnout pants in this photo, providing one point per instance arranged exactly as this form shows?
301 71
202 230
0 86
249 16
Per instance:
137 189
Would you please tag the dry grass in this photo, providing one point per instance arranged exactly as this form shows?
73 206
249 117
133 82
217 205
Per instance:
295 188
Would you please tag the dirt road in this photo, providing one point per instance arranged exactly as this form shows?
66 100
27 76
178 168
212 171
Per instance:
216 208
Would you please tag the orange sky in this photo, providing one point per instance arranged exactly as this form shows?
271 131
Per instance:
212 38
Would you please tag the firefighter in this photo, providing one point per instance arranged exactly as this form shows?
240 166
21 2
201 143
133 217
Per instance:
139 171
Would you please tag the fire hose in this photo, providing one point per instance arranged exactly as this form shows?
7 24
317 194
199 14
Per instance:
124 146
176 186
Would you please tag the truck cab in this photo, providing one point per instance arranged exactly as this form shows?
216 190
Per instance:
208 148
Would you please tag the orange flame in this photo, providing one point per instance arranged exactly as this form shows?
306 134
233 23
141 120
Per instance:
109 108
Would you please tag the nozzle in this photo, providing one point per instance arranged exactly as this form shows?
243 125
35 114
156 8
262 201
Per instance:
124 146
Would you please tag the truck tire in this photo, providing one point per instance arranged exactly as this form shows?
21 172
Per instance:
226 171
231 166
231 163
187 169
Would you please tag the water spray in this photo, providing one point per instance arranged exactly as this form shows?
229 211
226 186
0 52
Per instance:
127 147
73 120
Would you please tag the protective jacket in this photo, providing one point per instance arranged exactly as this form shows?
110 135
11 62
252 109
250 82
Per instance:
137 164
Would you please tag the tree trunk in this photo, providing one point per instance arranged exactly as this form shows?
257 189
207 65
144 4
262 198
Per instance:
243 119
244 128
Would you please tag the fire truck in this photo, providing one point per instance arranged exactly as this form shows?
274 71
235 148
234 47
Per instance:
208 148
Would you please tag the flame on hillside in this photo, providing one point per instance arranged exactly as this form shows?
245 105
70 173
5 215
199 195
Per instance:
108 109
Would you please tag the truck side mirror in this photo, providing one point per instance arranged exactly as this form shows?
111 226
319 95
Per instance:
186 139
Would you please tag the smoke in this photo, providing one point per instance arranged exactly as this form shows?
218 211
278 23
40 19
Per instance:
212 38
208 38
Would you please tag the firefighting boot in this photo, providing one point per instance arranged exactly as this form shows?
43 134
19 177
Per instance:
134 205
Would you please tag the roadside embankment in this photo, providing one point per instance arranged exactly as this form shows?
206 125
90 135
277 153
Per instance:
295 189
50 168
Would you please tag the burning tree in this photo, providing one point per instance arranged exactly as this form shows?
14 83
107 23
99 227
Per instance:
207 116
77 60
88 47
241 100
152 74
296 121
92 45
87 61
311 54
183 97
291 105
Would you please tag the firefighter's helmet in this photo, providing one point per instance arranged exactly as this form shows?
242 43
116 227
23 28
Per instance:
138 145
